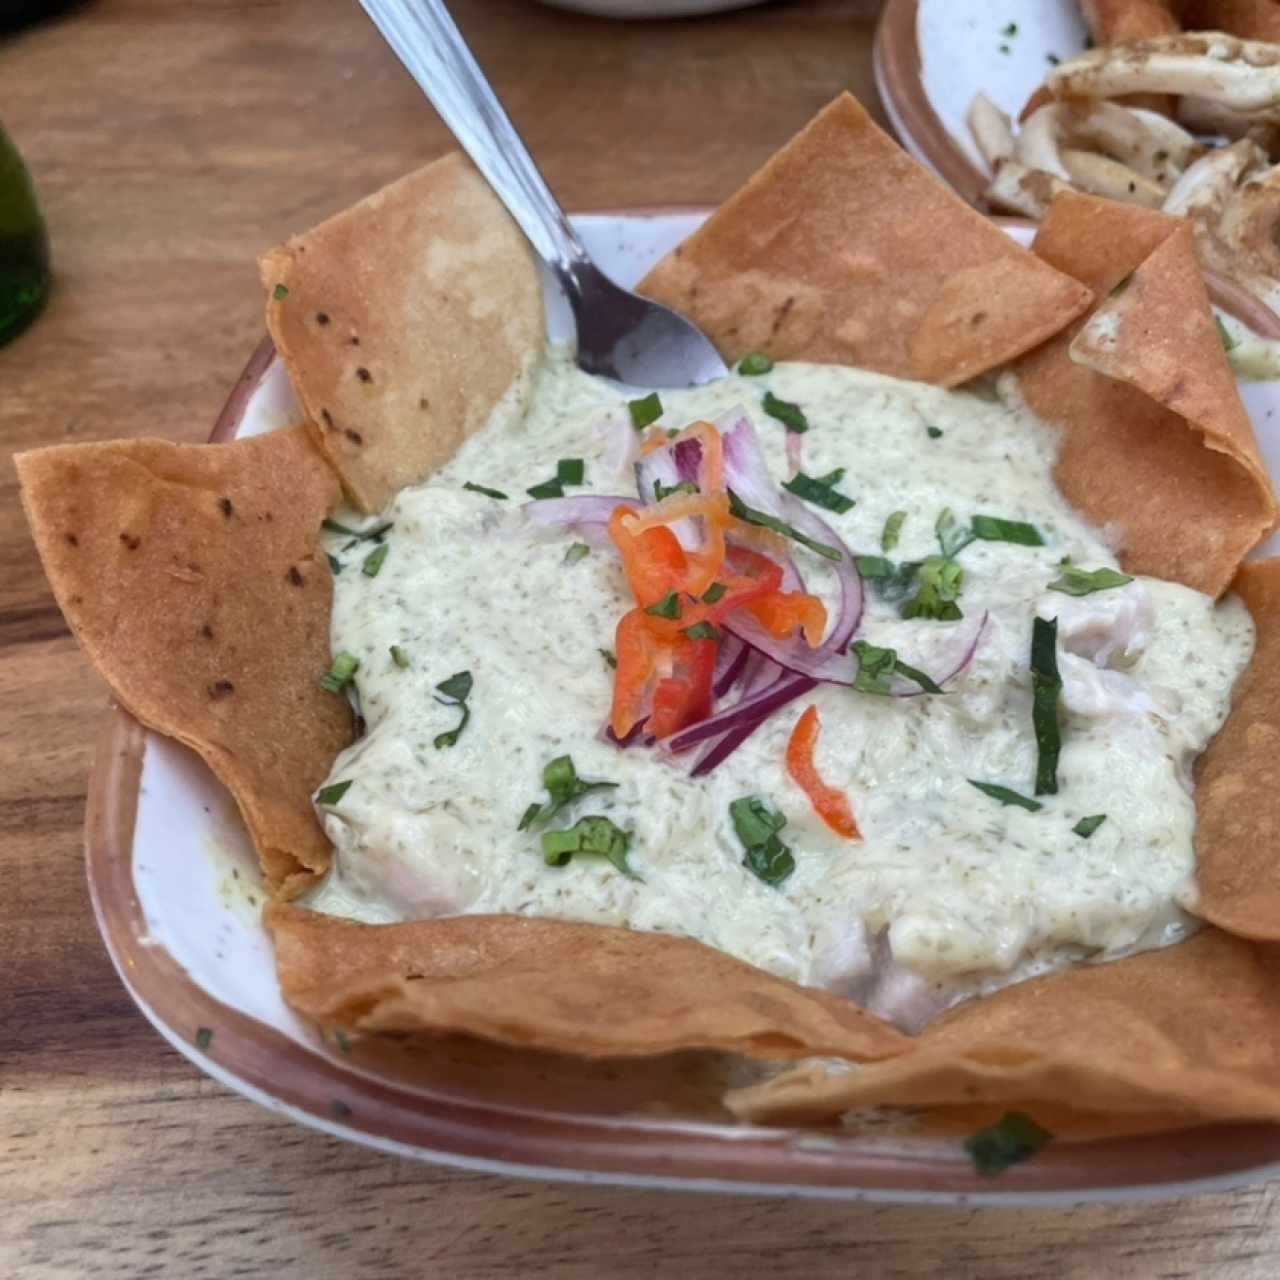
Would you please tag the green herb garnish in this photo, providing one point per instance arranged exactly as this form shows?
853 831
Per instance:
934 433
1052 59
1087 826
343 667
1005 795
790 415
716 591
547 489
754 364
1010 30
1121 285
939 581
204 1037
701 631
1046 685
456 690
661 490
820 493
667 607
1013 1138
488 493
578 551
609 659
1228 342
749 515
757 826
953 537
563 787
340 1039
399 656
594 834
645 410
876 666
892 528
373 561
571 471
334 792
280 292
335 565
376 533
1073 581
997 529
892 582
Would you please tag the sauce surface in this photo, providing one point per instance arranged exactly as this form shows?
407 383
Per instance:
948 892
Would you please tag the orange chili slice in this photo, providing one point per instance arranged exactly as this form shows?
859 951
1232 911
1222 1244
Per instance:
783 611
830 804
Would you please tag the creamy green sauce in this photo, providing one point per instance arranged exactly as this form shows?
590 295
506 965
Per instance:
948 892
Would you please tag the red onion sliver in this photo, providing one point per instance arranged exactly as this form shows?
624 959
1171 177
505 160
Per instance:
794 449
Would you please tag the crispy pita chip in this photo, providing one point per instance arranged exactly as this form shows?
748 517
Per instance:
842 249
1183 506
405 321
191 576
1115 21
566 988
1193 1030
1237 800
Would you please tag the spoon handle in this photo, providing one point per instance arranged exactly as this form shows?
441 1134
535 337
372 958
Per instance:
427 41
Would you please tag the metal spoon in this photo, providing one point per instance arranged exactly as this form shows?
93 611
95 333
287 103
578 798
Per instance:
620 335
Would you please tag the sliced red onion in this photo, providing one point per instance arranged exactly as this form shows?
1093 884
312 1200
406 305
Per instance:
903 688
659 464
586 515
794 451
622 442
688 456
731 658
636 736
766 675
745 470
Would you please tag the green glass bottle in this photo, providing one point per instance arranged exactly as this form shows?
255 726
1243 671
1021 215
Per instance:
24 245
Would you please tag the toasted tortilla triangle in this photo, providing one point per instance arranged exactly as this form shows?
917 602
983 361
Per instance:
1178 506
192 577
1193 1030
552 985
1157 333
405 322
844 250
1237 799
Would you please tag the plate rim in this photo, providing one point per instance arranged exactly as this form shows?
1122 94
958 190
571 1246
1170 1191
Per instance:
246 1055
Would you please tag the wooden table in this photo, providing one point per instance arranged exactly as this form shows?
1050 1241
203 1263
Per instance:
171 141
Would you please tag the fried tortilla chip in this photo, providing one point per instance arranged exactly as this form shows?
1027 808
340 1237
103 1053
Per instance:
1115 21
565 988
192 577
1248 19
1180 504
1237 800
405 322
1193 1030
842 249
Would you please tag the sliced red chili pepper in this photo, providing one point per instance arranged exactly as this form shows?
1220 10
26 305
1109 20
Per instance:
830 804
684 696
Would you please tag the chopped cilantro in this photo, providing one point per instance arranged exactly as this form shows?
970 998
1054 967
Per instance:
714 592
754 364
578 551
571 471
456 690
1013 1138
876 666
563 787
335 565
609 659
645 410
1046 685
701 631
1074 581
790 415
373 561
280 292
818 492
334 792
997 529
1087 826
488 493
1224 334
953 537
667 607
1005 795
399 656
594 834
757 826
892 528
340 672
547 489
749 515
934 433
939 581
204 1035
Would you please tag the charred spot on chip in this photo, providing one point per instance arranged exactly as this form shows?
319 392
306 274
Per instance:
130 540
977 318
72 540
327 418
224 505
221 689
354 436
355 341
322 317
783 312
207 631
423 402
294 576
363 374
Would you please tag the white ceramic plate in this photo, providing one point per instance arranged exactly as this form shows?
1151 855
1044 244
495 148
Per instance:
177 894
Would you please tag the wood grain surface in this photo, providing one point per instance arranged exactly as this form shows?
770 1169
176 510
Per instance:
172 140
